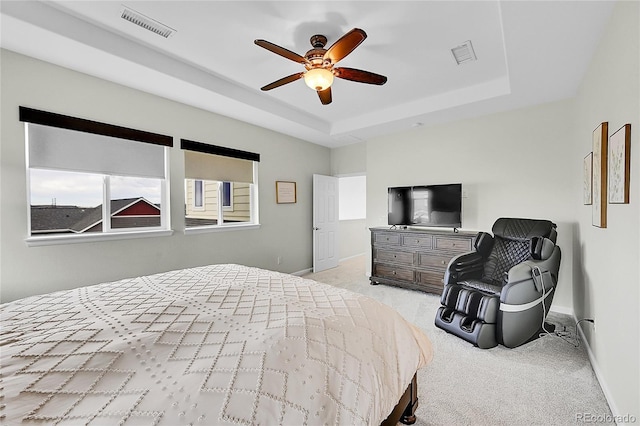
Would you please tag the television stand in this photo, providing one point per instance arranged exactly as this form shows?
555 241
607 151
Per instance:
415 258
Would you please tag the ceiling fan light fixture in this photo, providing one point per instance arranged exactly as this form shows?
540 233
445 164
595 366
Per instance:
318 78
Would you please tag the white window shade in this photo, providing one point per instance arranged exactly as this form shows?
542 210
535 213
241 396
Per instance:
203 166
70 150
217 163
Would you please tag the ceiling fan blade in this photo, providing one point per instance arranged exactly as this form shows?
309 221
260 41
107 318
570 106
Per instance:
288 79
360 76
325 96
278 50
345 45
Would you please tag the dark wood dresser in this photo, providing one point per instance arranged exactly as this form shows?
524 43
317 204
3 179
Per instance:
415 258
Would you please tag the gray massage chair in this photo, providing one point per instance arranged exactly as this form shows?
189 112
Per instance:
501 292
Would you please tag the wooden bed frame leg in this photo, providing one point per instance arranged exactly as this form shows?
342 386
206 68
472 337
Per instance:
409 414
405 410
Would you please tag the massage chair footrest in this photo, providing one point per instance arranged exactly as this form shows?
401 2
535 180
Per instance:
474 331
471 302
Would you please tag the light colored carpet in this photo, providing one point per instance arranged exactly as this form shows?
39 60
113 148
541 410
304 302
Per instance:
544 382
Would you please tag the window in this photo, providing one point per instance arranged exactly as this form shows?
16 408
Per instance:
227 196
228 187
198 194
88 178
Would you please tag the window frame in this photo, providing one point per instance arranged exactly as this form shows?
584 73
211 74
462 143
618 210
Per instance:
254 220
44 118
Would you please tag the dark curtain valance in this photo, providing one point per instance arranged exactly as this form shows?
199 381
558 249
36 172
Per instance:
46 118
218 150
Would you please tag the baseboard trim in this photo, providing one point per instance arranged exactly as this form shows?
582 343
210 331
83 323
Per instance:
601 380
562 310
303 272
344 259
309 270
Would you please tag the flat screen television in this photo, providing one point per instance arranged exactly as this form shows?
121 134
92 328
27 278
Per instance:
426 205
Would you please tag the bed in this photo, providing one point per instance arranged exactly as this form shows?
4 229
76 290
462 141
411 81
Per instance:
218 344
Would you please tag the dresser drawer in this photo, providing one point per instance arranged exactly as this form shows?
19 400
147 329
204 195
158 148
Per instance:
415 258
431 278
394 257
453 244
387 271
388 238
423 241
433 260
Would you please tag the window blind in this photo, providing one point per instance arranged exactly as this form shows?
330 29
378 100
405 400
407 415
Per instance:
61 142
211 162
62 149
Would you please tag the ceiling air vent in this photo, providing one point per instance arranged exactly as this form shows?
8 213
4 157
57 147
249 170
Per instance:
464 53
145 22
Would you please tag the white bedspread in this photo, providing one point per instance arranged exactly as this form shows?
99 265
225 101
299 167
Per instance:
221 344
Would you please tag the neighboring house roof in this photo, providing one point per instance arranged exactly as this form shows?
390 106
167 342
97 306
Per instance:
79 219
56 218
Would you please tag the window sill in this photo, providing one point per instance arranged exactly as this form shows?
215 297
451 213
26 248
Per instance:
50 240
221 228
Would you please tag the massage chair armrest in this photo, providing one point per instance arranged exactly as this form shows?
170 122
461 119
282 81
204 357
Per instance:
541 274
484 243
520 287
464 266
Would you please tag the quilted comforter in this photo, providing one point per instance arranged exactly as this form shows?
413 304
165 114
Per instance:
220 344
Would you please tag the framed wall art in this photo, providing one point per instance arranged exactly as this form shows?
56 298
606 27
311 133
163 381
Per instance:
587 176
285 192
619 165
599 182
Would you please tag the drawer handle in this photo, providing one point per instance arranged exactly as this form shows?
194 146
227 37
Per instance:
394 272
443 262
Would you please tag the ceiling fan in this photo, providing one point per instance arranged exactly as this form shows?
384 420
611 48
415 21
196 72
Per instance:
319 63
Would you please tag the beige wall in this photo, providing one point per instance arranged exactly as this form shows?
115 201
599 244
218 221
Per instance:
354 236
606 266
285 230
349 160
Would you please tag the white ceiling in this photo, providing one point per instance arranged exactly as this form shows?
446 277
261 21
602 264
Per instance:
529 52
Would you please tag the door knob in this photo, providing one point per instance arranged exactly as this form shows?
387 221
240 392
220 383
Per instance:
315 228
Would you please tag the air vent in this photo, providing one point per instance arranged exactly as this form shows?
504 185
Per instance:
145 22
464 53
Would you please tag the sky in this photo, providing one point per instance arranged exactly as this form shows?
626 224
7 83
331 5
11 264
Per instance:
85 189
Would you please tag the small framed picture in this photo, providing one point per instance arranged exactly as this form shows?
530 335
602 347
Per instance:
619 165
599 181
285 192
587 195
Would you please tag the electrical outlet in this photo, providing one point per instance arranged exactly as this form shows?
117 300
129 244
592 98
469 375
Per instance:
593 323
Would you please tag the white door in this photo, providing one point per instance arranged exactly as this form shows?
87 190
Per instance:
325 222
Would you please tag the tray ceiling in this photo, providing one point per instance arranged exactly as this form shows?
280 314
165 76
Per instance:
528 52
